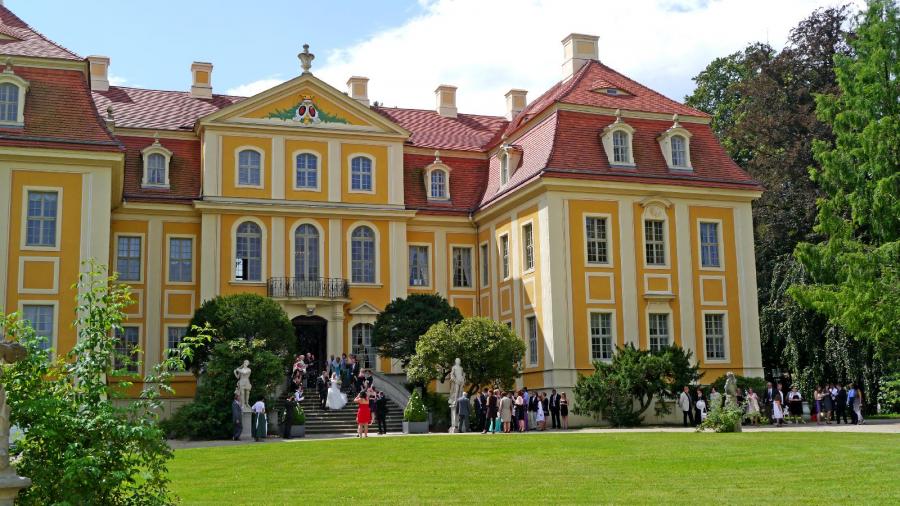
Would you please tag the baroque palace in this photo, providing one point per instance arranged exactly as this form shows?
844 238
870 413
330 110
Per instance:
598 214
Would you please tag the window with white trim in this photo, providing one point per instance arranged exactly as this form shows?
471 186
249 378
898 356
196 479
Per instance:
128 257
504 255
532 330
306 252
418 265
249 168
601 336
621 147
595 238
714 331
174 336
40 318
655 242
462 267
248 250
40 227
438 187
9 102
127 341
528 246
181 259
362 345
484 251
156 169
709 244
679 151
362 255
658 331
361 174
307 175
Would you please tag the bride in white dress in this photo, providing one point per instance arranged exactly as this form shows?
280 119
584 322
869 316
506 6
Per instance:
336 399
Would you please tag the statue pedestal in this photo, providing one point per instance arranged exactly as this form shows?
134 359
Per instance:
246 425
454 420
10 484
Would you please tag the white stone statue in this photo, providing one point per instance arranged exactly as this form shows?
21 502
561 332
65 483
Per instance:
730 390
457 383
242 374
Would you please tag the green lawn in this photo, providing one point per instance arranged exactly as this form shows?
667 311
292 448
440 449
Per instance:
824 468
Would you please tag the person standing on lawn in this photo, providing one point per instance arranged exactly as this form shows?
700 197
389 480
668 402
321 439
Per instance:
462 411
685 404
492 409
851 401
769 399
506 405
290 406
363 414
237 418
381 412
260 423
564 411
840 404
857 406
554 410
478 402
698 412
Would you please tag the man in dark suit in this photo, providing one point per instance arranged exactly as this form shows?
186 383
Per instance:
236 418
354 374
769 399
381 412
840 404
322 388
478 404
290 405
554 410
533 401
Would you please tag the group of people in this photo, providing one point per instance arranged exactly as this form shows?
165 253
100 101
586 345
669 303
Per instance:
371 403
520 411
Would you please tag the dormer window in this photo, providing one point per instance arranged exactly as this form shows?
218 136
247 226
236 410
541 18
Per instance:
675 144
156 165
12 98
504 168
509 156
617 139
437 179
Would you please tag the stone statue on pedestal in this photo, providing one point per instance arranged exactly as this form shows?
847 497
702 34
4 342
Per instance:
457 383
730 390
10 482
242 374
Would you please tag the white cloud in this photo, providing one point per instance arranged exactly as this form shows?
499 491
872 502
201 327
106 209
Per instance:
486 48
252 88
117 80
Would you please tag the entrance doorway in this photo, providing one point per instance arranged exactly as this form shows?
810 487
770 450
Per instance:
312 337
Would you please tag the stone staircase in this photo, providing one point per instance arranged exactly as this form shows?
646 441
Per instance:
319 421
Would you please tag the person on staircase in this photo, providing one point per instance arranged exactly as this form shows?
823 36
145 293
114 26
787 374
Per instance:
322 389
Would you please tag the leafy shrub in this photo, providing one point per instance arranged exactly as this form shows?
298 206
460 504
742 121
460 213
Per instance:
889 394
415 409
299 415
725 419
398 328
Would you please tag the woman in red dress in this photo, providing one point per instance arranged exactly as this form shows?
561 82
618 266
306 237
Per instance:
363 414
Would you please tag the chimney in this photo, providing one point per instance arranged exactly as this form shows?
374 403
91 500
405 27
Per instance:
99 70
446 100
515 103
358 88
201 73
578 49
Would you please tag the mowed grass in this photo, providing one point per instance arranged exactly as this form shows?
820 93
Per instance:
666 468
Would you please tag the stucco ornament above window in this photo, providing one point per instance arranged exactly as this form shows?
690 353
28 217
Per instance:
675 144
617 139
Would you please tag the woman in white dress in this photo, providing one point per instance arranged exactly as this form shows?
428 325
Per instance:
336 399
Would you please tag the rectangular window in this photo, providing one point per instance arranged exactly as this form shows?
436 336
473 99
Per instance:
595 237
40 229
714 328
462 267
655 242
504 168
483 260
709 244
531 328
418 266
174 336
40 318
504 255
528 246
128 339
658 331
128 258
601 336
181 259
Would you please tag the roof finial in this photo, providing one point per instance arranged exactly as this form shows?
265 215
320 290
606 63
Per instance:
618 115
437 156
675 119
306 59
8 69
109 113
156 138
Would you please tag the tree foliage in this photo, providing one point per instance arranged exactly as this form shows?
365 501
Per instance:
489 350
79 447
398 328
623 389
855 269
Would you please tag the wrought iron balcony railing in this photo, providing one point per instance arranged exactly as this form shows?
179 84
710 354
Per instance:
299 288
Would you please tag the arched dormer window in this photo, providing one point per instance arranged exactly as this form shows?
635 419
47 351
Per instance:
617 139
509 157
156 165
675 144
437 179
12 98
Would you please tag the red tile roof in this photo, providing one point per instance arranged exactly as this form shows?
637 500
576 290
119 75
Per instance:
467 182
59 113
466 132
184 171
22 40
536 147
157 109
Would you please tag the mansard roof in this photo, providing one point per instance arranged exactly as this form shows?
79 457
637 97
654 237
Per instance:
158 109
19 39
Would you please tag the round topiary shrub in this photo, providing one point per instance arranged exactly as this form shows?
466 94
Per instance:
415 409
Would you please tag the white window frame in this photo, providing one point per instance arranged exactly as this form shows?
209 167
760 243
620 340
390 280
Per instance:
141 259
59 217
237 167
293 246
525 247
453 284
295 181
609 239
368 351
665 145
263 251
721 250
484 263
427 246
647 242
437 166
725 347
377 232
139 364
8 77
156 149
504 168
607 139
612 333
503 245
670 324
371 159
533 359
193 239
52 340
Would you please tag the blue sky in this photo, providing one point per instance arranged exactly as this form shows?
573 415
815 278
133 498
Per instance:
407 47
